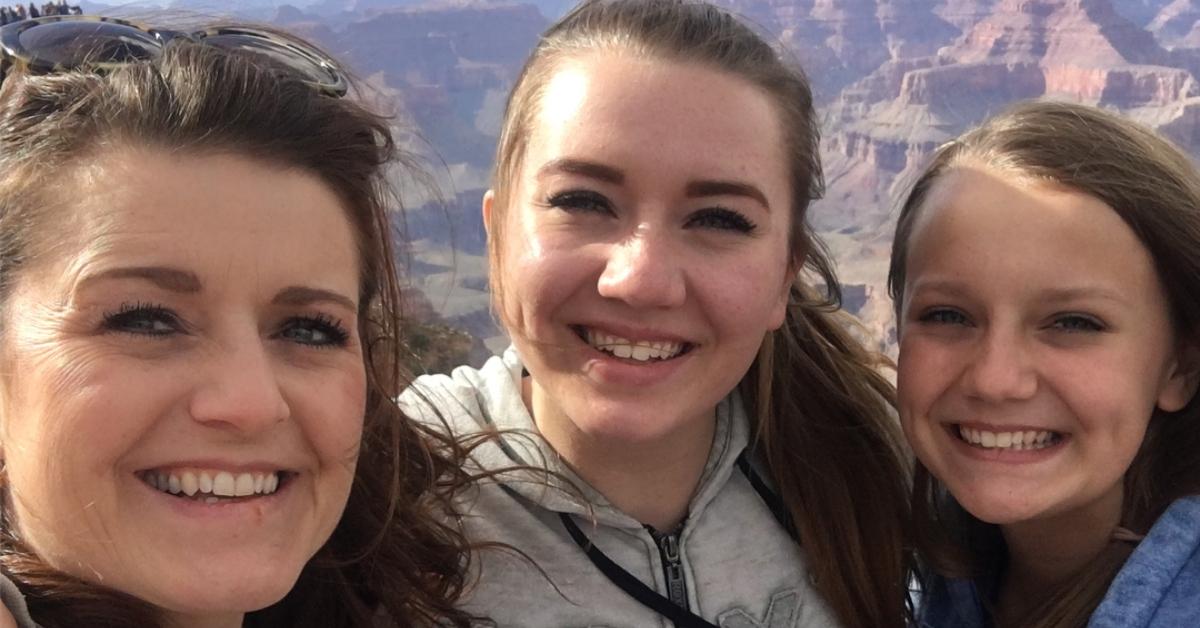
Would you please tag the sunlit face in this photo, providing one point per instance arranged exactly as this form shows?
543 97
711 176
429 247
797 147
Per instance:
1035 344
195 327
645 249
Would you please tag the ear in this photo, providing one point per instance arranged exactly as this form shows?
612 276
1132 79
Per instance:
1182 380
779 314
489 200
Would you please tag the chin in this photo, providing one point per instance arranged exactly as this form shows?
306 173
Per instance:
239 589
998 510
631 425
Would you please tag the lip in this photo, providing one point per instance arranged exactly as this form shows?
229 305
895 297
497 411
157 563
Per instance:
216 464
1003 456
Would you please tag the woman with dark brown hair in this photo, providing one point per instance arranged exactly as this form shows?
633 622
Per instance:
199 341
1046 275
729 452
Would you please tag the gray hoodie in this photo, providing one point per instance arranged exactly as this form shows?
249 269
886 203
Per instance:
736 566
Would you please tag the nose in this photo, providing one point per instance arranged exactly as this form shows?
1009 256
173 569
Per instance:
240 390
1001 369
643 271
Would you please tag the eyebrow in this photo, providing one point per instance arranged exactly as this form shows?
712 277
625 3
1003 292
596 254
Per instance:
300 295
694 189
700 189
1053 295
184 282
170 279
1083 292
589 169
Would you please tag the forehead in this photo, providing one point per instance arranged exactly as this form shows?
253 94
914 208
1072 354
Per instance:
673 117
133 205
989 226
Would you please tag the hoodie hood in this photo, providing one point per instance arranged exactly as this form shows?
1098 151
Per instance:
471 402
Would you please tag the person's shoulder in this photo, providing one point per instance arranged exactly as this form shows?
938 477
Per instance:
13 611
949 602
1160 582
461 401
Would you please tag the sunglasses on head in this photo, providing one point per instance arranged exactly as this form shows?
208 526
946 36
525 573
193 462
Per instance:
59 43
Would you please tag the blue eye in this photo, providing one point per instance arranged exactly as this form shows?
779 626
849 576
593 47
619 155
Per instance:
944 316
314 331
721 219
1077 323
143 319
581 201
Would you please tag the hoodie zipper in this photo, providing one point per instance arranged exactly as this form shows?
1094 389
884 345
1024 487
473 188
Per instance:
668 548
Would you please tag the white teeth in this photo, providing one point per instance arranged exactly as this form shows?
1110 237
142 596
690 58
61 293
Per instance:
190 485
210 485
223 484
642 351
205 481
1018 441
244 486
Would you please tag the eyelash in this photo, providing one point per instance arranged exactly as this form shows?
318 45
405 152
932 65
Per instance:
580 200
1077 323
337 334
132 318
719 218
722 219
1070 323
938 317
141 319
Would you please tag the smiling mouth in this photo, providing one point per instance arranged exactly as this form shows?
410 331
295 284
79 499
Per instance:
211 486
1023 440
635 350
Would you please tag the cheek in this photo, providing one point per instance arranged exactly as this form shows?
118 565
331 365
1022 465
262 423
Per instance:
539 278
748 295
330 409
923 373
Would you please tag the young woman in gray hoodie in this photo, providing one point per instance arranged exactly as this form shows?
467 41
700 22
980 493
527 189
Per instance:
702 441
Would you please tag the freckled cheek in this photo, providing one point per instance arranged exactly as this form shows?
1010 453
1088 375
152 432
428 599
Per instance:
738 299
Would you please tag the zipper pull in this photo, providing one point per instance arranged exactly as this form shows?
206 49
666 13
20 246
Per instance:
668 546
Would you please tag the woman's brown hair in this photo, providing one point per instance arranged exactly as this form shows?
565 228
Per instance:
1155 189
823 415
389 556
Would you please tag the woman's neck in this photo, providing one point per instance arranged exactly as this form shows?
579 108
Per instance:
227 620
652 482
1045 553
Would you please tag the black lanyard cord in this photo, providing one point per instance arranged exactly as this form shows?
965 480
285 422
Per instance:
636 589
769 497
655 601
